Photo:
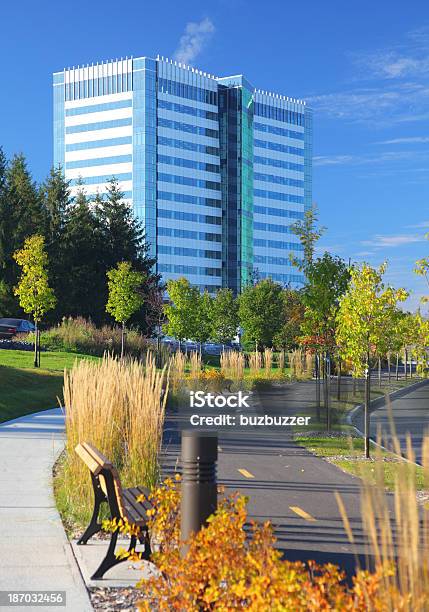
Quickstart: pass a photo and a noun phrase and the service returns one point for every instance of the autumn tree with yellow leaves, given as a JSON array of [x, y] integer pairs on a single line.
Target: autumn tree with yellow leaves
[[366, 310]]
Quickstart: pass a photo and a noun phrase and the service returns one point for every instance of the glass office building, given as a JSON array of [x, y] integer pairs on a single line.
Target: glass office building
[[216, 170]]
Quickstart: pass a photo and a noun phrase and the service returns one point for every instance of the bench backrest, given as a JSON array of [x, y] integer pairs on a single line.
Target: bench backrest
[[105, 472]]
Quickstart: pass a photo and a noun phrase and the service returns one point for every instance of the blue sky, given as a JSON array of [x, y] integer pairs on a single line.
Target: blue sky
[[363, 67]]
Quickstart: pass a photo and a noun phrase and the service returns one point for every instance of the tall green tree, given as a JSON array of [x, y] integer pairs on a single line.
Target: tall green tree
[[124, 236], [182, 310], [365, 310], [125, 296], [35, 295], [56, 197], [224, 321], [83, 286], [260, 312], [22, 215], [308, 232], [202, 329], [124, 239], [292, 319], [327, 278]]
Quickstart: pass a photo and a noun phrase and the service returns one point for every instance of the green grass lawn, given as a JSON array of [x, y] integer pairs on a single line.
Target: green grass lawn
[[24, 389], [54, 361], [347, 454], [346, 450]]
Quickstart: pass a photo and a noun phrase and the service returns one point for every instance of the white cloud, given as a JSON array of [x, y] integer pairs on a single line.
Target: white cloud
[[422, 225], [333, 160], [362, 160], [192, 42], [401, 93], [409, 57], [405, 140], [380, 241], [379, 105], [393, 65]]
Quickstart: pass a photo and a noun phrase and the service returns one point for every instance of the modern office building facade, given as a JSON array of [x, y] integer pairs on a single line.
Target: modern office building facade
[[216, 170]]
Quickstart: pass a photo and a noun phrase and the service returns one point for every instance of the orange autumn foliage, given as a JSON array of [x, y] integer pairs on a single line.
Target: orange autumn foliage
[[227, 568]]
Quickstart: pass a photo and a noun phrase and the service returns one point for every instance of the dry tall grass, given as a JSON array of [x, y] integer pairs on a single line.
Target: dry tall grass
[[296, 364], [301, 364], [309, 364], [268, 360], [255, 363], [195, 365], [397, 528], [177, 370], [281, 360], [232, 365], [118, 406]]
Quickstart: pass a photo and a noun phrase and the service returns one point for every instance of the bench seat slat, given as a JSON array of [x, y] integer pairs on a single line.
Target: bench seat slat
[[137, 492], [136, 510]]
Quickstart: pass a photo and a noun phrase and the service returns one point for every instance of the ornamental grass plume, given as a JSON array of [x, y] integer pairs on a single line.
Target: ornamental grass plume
[[281, 360], [195, 365], [177, 370], [255, 362], [397, 527], [268, 360], [308, 364], [118, 406], [232, 365], [296, 362]]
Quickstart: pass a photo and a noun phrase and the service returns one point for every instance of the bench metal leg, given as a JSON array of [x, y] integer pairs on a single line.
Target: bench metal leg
[[94, 526], [110, 560], [91, 530], [145, 539]]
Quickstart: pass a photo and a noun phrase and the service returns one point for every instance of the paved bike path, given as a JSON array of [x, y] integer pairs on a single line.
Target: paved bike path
[[285, 483], [410, 414]]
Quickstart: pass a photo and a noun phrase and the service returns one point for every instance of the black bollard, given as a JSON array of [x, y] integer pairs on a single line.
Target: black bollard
[[199, 486]]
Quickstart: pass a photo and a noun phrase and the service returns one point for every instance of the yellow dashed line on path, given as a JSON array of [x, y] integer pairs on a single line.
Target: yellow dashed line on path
[[302, 513], [245, 473]]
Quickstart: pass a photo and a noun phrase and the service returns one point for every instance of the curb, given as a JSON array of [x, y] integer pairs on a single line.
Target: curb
[[377, 403]]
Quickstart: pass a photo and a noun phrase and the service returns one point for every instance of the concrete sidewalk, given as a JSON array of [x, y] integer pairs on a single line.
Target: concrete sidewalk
[[35, 554]]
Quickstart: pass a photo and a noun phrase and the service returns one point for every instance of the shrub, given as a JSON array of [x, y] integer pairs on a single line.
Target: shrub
[[226, 568], [211, 380], [81, 336]]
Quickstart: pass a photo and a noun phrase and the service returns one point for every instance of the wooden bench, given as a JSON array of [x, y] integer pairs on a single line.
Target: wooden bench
[[122, 503]]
